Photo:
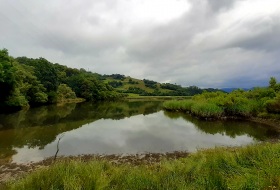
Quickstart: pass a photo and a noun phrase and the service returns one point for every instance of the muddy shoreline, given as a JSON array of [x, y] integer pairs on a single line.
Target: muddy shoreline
[[13, 171]]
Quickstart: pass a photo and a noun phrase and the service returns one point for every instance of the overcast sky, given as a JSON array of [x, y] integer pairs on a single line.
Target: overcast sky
[[207, 43]]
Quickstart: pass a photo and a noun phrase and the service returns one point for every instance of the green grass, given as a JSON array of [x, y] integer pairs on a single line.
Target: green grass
[[178, 105], [199, 108], [252, 167], [206, 110], [213, 109]]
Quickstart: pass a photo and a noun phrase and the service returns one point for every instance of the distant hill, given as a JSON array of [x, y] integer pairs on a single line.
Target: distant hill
[[232, 89], [145, 87]]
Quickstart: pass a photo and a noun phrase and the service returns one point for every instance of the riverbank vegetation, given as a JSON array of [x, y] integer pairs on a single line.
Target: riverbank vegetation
[[31, 82], [258, 102], [252, 167]]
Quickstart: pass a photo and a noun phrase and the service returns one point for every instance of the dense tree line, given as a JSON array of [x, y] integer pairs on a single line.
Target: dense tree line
[[26, 81], [116, 76], [150, 83], [115, 84], [170, 86], [181, 91]]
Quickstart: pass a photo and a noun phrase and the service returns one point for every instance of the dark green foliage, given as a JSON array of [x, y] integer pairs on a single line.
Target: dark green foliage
[[88, 87], [26, 81], [115, 84], [150, 83], [170, 86], [272, 82], [7, 76], [19, 86], [45, 71], [194, 90], [116, 76]]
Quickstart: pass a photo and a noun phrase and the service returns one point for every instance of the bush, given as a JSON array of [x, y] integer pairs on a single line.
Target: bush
[[272, 106]]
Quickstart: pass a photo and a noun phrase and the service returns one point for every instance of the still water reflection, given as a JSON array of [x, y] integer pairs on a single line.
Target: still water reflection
[[114, 128]]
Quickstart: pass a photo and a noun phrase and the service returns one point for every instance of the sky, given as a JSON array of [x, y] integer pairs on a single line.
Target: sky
[[206, 43]]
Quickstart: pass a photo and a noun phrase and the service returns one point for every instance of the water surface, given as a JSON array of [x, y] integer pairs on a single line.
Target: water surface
[[116, 128]]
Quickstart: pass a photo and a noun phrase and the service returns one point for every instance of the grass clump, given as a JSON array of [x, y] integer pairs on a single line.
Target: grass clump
[[207, 110], [252, 167], [199, 108]]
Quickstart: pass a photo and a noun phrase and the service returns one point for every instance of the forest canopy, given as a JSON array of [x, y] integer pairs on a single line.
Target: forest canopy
[[27, 81]]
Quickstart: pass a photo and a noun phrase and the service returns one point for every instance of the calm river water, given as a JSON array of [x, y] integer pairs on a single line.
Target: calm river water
[[116, 128]]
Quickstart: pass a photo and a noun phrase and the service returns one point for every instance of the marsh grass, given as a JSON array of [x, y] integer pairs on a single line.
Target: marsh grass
[[199, 108], [214, 108], [207, 110], [178, 105], [252, 167]]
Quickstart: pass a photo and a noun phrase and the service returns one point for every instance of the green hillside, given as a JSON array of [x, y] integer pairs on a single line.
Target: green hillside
[[145, 87]]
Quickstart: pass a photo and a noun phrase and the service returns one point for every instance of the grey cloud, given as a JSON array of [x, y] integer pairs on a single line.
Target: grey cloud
[[163, 41], [79, 45], [264, 35], [199, 48], [217, 5]]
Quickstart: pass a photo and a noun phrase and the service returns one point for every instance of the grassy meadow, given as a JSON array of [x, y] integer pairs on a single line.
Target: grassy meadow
[[251, 167]]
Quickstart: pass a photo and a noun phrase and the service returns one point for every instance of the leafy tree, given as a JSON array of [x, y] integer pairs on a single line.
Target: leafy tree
[[44, 70], [29, 85], [64, 92], [116, 76], [150, 83], [7, 77], [272, 82]]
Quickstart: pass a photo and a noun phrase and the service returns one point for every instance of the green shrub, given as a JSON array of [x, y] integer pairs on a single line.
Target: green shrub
[[272, 106]]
